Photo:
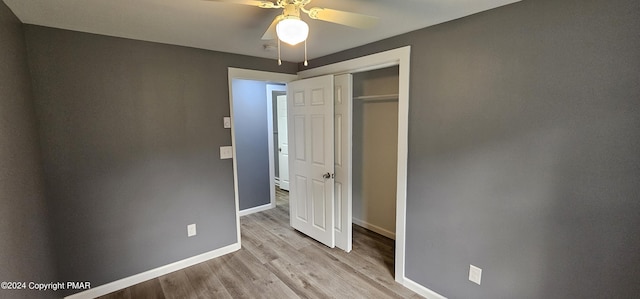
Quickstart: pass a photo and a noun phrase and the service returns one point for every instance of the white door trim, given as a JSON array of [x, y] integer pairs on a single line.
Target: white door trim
[[129, 281], [272, 163], [269, 77], [400, 57], [343, 111]]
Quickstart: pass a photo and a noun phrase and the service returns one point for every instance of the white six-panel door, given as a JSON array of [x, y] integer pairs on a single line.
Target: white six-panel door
[[283, 142], [311, 151]]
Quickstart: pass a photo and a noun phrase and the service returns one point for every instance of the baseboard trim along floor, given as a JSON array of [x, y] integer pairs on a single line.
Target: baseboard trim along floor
[[256, 209], [153, 273], [421, 290], [374, 228], [276, 261]]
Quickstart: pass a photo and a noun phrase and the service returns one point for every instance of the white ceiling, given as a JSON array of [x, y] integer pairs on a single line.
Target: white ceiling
[[238, 28]]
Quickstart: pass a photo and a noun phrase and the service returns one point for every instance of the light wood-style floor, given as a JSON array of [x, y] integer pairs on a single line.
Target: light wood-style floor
[[278, 262]]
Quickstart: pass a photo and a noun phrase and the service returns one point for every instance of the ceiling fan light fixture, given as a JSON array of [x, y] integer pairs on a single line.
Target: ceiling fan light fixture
[[292, 30]]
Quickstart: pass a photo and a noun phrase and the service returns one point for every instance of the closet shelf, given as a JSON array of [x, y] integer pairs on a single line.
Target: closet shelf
[[378, 97]]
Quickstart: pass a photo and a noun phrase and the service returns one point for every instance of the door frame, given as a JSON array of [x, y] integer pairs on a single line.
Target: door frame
[[401, 58], [271, 87], [269, 77]]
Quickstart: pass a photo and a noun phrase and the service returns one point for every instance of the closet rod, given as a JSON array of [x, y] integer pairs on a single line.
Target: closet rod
[[380, 97]]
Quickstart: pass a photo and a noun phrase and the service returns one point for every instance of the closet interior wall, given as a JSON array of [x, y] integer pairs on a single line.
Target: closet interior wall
[[375, 145]]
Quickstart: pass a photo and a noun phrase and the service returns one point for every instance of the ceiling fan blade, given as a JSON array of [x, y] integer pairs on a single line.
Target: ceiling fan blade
[[342, 17], [271, 31], [258, 3]]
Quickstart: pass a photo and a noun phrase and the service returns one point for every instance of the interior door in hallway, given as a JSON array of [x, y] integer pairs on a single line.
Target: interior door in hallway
[[311, 162], [283, 142]]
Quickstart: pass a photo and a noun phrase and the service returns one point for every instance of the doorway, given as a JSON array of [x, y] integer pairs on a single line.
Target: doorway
[[375, 148], [258, 78], [253, 144], [401, 58], [280, 138]]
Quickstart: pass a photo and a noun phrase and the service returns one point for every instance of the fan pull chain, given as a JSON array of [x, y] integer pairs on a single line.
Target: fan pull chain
[[279, 61], [305, 53]]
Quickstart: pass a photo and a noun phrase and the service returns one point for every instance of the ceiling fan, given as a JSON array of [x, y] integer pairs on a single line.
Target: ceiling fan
[[289, 28]]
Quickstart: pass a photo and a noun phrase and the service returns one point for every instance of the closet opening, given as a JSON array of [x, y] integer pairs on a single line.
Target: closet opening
[[375, 152]]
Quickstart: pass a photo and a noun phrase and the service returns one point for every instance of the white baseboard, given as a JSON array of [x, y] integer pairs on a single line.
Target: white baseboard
[[374, 228], [421, 290], [256, 209], [153, 273]]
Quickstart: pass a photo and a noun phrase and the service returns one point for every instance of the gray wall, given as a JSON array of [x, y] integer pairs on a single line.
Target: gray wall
[[252, 147], [375, 143], [523, 150], [25, 251], [130, 135], [524, 134]]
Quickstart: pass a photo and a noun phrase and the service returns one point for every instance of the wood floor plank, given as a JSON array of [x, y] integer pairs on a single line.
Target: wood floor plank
[[376, 252], [237, 286], [299, 283], [205, 282], [273, 287], [363, 232], [176, 285], [276, 261], [121, 294], [150, 289], [245, 277], [362, 285], [263, 279], [281, 214], [270, 245], [253, 242], [286, 233], [315, 274], [374, 273]]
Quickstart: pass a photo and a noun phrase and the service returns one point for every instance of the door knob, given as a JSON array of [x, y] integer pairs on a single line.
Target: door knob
[[326, 175]]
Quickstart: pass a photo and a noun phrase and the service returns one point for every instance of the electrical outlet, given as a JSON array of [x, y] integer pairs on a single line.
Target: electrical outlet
[[475, 274], [191, 230], [227, 122], [226, 152]]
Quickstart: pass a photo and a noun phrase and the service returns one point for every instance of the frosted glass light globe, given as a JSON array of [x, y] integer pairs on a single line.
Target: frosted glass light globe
[[292, 31]]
